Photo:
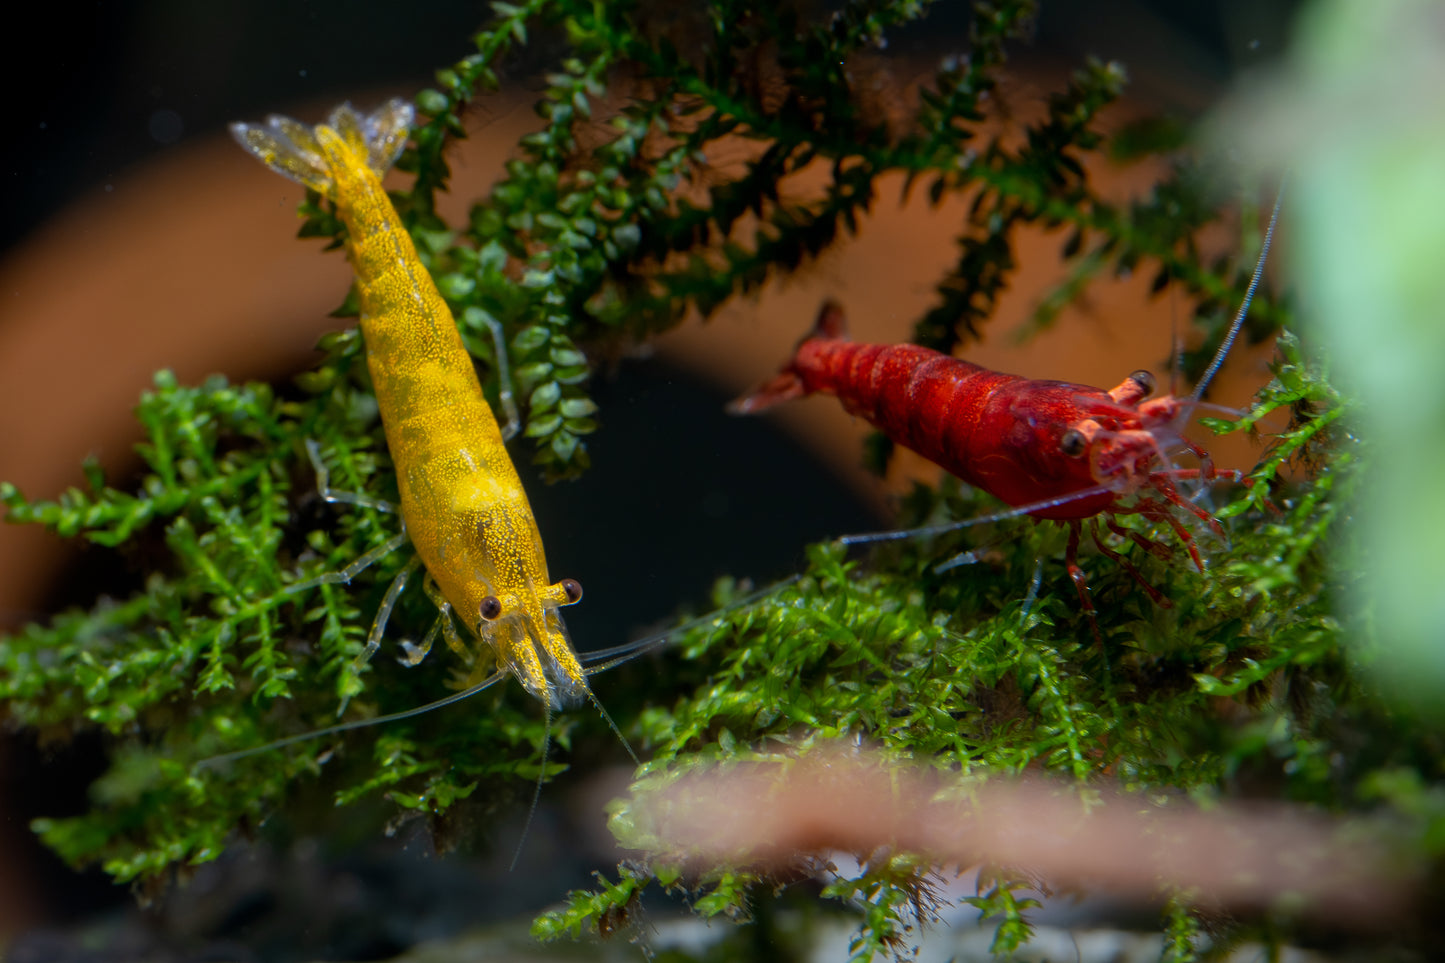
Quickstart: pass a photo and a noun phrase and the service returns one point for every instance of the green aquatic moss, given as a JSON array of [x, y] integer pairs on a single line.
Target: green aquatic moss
[[593, 247], [961, 670]]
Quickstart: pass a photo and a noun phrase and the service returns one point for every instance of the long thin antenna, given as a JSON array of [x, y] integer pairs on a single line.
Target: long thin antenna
[[618, 654], [1176, 343], [212, 761], [618, 732], [892, 536], [537, 792], [1228, 341]]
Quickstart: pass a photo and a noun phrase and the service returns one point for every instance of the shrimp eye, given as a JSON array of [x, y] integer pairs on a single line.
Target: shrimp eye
[[1144, 380], [573, 590], [1073, 443], [491, 608]]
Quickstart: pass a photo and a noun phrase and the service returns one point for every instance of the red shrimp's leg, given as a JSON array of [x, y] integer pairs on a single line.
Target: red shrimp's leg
[[1208, 472], [1159, 598], [1081, 582], [1248, 482], [1159, 512], [1166, 488], [1206, 469], [1156, 548], [1163, 483]]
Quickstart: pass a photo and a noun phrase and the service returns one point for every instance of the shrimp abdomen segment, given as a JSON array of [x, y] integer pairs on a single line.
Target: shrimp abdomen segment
[[924, 400], [994, 430], [413, 350]]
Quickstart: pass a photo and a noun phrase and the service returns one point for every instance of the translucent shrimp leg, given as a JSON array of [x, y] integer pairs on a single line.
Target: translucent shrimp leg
[[388, 602], [513, 423], [413, 654], [324, 489], [331, 495], [344, 575], [444, 624]]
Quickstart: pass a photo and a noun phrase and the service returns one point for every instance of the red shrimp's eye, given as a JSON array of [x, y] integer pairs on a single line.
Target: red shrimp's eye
[[1145, 381], [573, 590], [1073, 443], [491, 608]]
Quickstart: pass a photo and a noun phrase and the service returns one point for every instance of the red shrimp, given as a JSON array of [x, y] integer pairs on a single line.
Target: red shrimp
[[1049, 449], [1061, 451]]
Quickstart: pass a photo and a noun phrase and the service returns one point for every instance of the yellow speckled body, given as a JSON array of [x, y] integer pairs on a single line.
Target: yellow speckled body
[[461, 500]]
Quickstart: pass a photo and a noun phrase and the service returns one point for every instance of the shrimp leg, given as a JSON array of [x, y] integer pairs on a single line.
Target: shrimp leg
[[383, 615], [331, 495], [1128, 566], [1081, 581], [513, 423], [344, 576], [1156, 548], [445, 623], [413, 654]]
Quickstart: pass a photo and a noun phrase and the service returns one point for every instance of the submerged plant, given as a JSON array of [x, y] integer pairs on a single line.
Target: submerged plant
[[610, 224]]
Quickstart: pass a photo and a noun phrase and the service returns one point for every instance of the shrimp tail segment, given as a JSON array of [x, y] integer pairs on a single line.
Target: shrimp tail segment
[[789, 383], [292, 149]]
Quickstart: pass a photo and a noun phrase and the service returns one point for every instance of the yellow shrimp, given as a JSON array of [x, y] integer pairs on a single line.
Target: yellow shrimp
[[462, 504]]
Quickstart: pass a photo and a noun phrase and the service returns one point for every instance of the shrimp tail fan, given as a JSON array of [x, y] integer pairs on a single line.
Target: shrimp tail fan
[[294, 150], [788, 383]]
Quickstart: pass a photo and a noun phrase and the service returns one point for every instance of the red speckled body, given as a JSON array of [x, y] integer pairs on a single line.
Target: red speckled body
[[996, 431], [1021, 440], [1050, 449]]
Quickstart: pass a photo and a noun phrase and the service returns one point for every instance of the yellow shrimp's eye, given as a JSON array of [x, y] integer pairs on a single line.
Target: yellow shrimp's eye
[[491, 608], [1144, 380], [573, 588], [1073, 443]]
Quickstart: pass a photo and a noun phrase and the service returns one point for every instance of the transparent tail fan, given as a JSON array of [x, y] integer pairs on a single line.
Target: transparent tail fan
[[291, 148]]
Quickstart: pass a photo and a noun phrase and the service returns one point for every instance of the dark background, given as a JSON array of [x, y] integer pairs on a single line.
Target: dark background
[[97, 87]]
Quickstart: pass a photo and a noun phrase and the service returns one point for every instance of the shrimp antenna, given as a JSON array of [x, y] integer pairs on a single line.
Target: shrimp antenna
[[1228, 341], [928, 530], [213, 761], [608, 718], [537, 792], [618, 654], [1176, 343], [624, 653]]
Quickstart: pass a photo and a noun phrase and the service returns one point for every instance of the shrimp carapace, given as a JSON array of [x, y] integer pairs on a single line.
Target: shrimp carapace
[[462, 503]]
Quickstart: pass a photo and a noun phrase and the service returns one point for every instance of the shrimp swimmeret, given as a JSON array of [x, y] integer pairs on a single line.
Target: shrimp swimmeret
[[462, 505]]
